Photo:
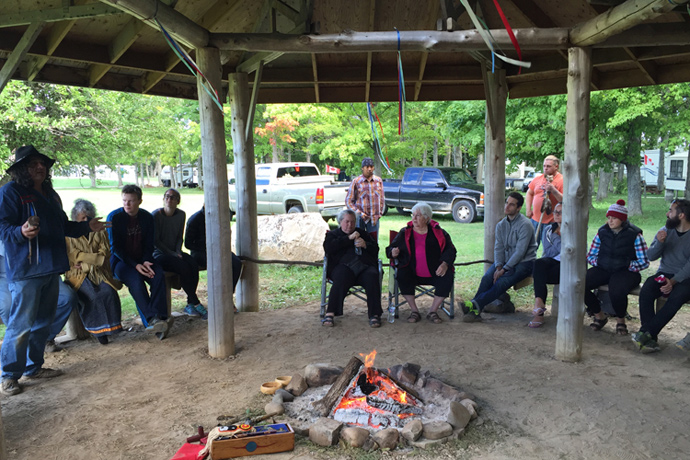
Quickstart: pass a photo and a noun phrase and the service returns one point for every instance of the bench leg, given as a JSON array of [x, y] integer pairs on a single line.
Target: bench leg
[[554, 301]]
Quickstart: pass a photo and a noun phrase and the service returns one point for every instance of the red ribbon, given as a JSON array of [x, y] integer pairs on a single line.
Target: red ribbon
[[510, 32]]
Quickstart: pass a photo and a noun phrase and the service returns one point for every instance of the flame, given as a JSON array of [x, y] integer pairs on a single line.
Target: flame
[[369, 359]]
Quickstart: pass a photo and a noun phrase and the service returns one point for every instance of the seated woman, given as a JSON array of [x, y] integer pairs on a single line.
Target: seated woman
[[425, 255], [547, 270], [618, 254], [352, 260], [91, 276]]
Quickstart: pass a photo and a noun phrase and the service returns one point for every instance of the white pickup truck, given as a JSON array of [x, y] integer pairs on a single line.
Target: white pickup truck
[[294, 187]]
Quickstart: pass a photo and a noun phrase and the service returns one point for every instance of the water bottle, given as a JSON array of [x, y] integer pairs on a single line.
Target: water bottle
[[661, 279], [358, 251], [391, 314]]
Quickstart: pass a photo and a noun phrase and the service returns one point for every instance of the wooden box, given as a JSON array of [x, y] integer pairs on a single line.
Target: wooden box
[[267, 439]]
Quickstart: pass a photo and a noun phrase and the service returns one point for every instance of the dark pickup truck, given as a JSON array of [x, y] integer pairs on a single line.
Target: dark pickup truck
[[445, 189]]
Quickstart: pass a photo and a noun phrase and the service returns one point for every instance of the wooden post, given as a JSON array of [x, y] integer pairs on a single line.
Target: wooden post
[[495, 157], [246, 244], [3, 447], [221, 332], [575, 207]]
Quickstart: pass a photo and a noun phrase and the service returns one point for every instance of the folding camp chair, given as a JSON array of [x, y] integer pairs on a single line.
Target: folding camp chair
[[395, 298], [357, 291]]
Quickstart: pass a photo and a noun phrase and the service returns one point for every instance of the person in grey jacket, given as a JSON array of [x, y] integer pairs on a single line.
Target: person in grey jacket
[[672, 244], [547, 270], [515, 250]]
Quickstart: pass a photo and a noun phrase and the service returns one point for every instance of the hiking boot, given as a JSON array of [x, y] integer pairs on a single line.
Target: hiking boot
[[640, 338], [52, 347], [499, 306], [202, 311], [157, 326], [684, 343], [471, 312], [10, 387], [651, 346], [44, 373], [191, 311]]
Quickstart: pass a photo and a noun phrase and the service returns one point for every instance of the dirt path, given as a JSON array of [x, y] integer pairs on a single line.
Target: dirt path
[[139, 398]]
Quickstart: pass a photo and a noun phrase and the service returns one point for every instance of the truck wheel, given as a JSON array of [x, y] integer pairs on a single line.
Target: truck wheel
[[463, 212], [294, 209], [385, 210], [232, 214], [401, 210]]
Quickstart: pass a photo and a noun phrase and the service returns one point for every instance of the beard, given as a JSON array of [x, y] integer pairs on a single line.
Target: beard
[[672, 222]]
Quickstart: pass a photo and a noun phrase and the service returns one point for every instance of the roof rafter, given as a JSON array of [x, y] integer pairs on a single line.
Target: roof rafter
[[19, 53], [92, 10]]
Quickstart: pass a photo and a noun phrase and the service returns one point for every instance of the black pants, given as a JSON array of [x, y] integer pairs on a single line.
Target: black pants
[[620, 284], [343, 279], [200, 258], [546, 271], [653, 322], [408, 279], [188, 270]]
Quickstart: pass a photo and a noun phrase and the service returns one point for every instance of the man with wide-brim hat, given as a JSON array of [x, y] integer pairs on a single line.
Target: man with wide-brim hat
[[33, 227]]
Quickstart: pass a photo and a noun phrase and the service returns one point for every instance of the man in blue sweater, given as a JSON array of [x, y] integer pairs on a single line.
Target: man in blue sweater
[[672, 244], [33, 227], [515, 250], [131, 248]]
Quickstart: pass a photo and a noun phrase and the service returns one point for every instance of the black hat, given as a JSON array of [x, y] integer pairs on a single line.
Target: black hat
[[367, 162], [26, 151]]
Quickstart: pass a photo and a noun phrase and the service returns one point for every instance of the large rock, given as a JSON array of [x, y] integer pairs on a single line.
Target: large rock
[[354, 436], [321, 374], [412, 430], [296, 236], [274, 408], [387, 439], [297, 385], [325, 432], [458, 414], [437, 430]]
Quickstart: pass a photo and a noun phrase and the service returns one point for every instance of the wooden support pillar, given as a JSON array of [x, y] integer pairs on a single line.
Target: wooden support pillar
[[575, 207], [495, 156], [221, 327], [246, 244]]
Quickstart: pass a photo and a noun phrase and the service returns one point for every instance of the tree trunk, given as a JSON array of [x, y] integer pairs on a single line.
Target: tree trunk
[[136, 174], [435, 151], [173, 177], [200, 172], [157, 171], [92, 175], [634, 204], [310, 141], [118, 171], [289, 154], [276, 154], [415, 162], [480, 168], [661, 177], [458, 156], [449, 153], [604, 183], [621, 172], [687, 171]]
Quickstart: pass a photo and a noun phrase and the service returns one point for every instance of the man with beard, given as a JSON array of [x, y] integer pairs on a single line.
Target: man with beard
[[672, 244]]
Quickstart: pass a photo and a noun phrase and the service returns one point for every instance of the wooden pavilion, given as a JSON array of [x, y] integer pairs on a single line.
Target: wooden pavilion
[[293, 51]]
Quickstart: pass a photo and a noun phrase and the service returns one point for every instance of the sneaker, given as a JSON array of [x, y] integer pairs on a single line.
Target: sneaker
[[157, 326], [10, 387], [202, 311], [191, 311], [640, 338], [52, 347], [44, 373], [471, 313], [651, 346], [684, 343], [499, 306]]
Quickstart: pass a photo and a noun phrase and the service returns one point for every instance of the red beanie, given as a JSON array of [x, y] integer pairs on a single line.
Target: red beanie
[[618, 210]]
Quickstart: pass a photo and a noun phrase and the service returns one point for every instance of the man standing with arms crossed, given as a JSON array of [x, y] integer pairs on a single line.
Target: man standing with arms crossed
[[365, 198], [550, 183]]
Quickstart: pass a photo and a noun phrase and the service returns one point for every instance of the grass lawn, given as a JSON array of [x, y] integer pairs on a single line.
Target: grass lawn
[[302, 284]]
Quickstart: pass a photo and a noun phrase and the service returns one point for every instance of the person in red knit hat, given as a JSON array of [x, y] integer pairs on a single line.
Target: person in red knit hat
[[618, 254]]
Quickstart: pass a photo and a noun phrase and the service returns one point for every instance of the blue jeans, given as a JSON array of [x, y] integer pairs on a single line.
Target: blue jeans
[[149, 306], [489, 291], [370, 228], [67, 301], [34, 302]]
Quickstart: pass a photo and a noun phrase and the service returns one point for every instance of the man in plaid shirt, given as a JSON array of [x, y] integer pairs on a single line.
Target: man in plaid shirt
[[365, 198]]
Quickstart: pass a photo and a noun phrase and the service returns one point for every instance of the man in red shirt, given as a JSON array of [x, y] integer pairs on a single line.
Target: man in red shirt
[[365, 198], [548, 184]]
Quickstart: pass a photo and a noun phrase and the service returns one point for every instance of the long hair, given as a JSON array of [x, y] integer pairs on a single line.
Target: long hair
[[20, 174]]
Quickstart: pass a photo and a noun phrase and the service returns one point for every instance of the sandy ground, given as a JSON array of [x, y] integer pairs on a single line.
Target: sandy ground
[[139, 398]]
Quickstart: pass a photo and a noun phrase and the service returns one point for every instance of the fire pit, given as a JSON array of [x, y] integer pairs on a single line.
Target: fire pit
[[402, 400]]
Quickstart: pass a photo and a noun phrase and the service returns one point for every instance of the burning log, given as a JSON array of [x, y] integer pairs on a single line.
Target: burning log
[[324, 406], [394, 407], [405, 387]]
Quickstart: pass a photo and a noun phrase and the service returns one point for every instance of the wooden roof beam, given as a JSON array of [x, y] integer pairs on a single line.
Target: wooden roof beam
[[92, 10], [19, 53], [315, 71], [359, 42], [619, 19], [370, 56], [57, 33], [422, 68], [182, 28], [127, 36], [647, 68]]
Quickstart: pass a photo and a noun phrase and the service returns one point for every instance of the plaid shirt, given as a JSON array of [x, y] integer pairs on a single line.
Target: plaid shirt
[[636, 265], [366, 196]]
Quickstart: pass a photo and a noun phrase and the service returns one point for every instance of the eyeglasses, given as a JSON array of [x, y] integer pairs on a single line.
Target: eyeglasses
[[558, 213]]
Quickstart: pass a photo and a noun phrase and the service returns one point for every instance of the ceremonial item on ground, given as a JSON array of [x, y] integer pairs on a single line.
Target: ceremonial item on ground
[[242, 440]]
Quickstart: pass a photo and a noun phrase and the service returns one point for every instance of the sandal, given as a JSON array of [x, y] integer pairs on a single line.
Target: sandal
[[328, 321], [598, 324], [434, 318], [621, 329], [414, 317], [375, 321], [540, 313]]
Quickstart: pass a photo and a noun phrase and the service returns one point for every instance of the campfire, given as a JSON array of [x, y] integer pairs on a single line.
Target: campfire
[[374, 400]]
